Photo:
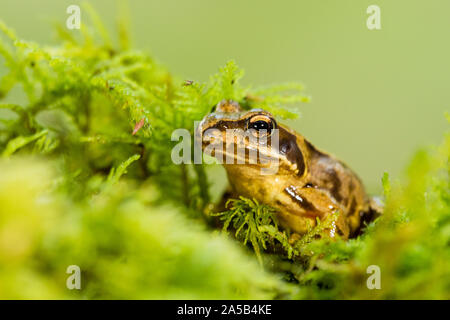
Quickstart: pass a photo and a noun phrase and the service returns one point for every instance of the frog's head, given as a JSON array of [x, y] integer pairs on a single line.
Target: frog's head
[[251, 138]]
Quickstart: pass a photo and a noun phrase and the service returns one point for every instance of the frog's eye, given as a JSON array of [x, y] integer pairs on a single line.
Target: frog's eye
[[261, 124]]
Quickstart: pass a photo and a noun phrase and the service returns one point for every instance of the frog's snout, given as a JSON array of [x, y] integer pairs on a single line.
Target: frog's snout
[[202, 126]]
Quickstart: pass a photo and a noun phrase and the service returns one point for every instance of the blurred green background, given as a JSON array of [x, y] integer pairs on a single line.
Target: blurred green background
[[376, 95]]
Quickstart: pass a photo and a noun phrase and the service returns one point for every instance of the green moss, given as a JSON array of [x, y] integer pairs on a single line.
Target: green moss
[[125, 248], [101, 117]]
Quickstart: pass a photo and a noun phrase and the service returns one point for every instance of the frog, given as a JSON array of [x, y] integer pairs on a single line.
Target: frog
[[308, 185]]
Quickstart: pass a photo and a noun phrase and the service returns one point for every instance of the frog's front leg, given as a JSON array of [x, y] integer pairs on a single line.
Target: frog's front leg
[[300, 207]]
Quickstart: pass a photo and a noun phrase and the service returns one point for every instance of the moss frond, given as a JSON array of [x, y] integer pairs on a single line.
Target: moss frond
[[89, 104]]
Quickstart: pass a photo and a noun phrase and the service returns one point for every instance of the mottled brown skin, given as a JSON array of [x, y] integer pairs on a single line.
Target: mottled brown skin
[[308, 183]]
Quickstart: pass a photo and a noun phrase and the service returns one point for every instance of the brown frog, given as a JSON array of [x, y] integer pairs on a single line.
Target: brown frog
[[307, 183]]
